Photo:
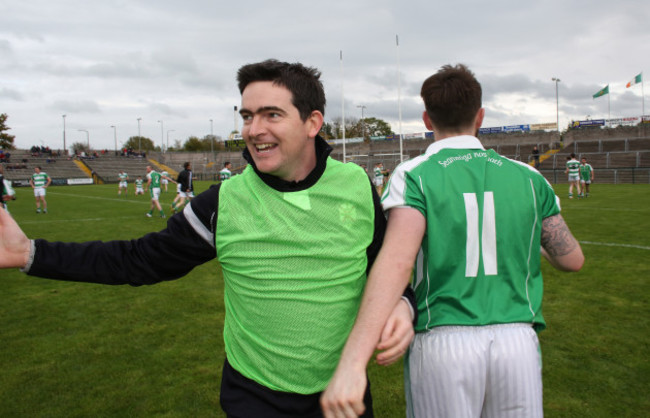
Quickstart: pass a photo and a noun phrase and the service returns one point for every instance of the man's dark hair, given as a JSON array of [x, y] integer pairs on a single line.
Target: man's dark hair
[[226, 163], [452, 97], [303, 82], [186, 165]]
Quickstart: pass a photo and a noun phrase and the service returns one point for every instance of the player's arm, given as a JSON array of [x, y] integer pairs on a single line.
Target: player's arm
[[388, 278], [49, 180], [559, 246], [155, 257]]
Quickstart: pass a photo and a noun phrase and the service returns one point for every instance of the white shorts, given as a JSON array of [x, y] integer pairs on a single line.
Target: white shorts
[[164, 181], [39, 191], [178, 187], [122, 185], [574, 177], [139, 190], [187, 194], [378, 181], [155, 193], [489, 371], [585, 181]]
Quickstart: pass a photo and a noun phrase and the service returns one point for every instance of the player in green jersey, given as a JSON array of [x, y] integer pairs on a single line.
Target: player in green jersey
[[586, 176], [573, 170], [39, 182], [476, 222], [153, 185]]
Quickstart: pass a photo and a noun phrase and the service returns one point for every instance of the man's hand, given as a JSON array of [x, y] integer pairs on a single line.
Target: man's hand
[[14, 244], [396, 335], [344, 394]]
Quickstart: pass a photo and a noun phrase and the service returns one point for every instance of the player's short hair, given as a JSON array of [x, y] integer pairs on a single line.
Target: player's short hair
[[307, 92], [186, 165], [452, 97], [573, 155], [226, 164]]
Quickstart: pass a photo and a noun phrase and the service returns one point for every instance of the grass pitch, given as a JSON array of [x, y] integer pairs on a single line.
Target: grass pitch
[[79, 350]]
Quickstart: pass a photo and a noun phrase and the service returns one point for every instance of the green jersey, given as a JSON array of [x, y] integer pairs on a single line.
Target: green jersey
[[138, 183], [294, 270], [123, 177], [585, 171], [479, 262], [40, 179], [155, 179]]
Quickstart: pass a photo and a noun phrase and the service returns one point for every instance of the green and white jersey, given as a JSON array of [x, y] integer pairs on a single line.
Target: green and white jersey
[[123, 177], [138, 183], [155, 179], [479, 263], [224, 174], [585, 171], [40, 179], [574, 167], [378, 173]]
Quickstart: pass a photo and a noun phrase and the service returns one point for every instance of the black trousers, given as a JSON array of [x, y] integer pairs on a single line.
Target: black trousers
[[245, 398]]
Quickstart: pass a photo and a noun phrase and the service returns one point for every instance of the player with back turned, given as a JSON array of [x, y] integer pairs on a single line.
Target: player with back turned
[[470, 225]]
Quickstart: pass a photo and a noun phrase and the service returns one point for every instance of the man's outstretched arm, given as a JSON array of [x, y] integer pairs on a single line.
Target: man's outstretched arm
[[387, 280]]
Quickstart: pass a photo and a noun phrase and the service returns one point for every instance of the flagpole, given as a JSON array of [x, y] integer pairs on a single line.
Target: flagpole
[[609, 108], [342, 107], [399, 100], [642, 99]]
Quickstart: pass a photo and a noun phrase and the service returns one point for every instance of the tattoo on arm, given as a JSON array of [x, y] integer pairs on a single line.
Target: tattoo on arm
[[556, 237]]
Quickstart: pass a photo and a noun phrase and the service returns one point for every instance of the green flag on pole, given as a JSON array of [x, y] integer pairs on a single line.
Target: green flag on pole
[[602, 92]]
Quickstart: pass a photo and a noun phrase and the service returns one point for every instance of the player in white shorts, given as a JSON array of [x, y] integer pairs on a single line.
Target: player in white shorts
[[469, 225], [139, 189], [39, 182], [123, 185], [573, 170], [163, 181]]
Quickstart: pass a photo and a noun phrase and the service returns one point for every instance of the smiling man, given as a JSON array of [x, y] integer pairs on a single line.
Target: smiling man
[[295, 235]]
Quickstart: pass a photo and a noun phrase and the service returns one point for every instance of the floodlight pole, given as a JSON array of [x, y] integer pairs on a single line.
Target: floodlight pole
[[557, 103], [139, 138]]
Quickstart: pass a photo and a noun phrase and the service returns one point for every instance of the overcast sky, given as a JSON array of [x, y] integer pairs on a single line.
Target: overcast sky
[[112, 62]]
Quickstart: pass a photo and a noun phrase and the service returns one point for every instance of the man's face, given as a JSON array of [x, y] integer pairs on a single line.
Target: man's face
[[278, 140], [37, 170]]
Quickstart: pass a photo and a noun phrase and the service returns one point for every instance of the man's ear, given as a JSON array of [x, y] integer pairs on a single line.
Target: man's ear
[[427, 121], [314, 123], [478, 121]]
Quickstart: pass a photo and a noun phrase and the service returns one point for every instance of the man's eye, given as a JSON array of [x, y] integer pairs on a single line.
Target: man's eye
[[246, 117], [274, 115]]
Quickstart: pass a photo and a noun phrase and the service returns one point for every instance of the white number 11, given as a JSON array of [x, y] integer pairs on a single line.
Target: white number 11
[[488, 235]]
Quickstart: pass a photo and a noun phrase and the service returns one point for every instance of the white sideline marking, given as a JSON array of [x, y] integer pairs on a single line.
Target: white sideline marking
[[611, 244], [53, 221], [112, 199]]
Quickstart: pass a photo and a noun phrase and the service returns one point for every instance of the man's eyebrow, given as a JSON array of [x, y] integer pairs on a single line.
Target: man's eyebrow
[[262, 109]]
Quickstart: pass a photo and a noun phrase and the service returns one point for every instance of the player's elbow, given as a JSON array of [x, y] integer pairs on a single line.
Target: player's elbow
[[572, 262]]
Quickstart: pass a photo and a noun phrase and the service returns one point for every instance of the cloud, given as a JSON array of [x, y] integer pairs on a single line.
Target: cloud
[[11, 94], [80, 106]]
